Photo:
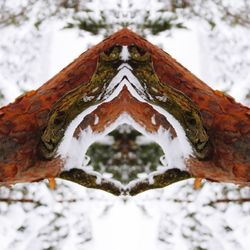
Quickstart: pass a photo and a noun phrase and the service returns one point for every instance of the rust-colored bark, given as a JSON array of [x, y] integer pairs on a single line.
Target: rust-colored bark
[[227, 122]]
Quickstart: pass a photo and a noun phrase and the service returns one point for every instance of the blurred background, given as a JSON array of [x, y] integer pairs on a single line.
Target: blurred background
[[40, 37]]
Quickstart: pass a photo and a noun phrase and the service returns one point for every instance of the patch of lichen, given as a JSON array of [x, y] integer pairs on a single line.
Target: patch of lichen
[[90, 181], [159, 181], [170, 99], [76, 101]]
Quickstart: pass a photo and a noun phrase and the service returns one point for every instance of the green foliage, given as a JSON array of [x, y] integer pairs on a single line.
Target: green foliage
[[89, 24], [160, 25], [142, 16], [124, 158]]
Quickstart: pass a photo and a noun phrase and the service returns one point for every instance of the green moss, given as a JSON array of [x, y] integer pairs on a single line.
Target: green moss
[[90, 181], [162, 180], [170, 99], [87, 180], [77, 100]]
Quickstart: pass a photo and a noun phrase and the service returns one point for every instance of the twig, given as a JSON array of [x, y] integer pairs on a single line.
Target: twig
[[10, 200]]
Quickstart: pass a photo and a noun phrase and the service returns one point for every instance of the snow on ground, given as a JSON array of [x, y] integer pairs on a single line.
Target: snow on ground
[[125, 227]]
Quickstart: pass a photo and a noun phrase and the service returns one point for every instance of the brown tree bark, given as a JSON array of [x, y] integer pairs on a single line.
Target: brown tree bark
[[227, 122]]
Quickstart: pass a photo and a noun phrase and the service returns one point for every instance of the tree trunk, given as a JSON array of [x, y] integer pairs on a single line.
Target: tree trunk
[[23, 122]]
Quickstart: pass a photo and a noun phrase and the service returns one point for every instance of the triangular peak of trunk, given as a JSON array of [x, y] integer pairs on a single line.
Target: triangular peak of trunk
[[125, 80]]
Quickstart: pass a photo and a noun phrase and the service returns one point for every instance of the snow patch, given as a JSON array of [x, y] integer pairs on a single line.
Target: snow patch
[[96, 119], [125, 53], [161, 98], [88, 98], [153, 119], [142, 140]]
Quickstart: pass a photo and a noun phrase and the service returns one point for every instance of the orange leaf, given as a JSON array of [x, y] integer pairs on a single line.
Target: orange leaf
[[52, 183], [197, 183]]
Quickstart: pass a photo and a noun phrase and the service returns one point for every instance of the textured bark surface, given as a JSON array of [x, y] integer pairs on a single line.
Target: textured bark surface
[[227, 123]]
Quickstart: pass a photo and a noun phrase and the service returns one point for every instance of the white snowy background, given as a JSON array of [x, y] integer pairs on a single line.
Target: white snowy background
[[72, 217]]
